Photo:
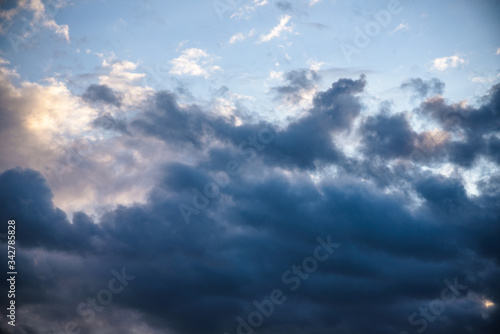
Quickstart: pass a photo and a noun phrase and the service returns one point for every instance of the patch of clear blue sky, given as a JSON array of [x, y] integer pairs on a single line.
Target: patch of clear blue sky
[[149, 33]]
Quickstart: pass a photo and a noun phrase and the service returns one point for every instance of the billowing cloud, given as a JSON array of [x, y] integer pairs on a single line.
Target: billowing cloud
[[265, 202], [217, 169]]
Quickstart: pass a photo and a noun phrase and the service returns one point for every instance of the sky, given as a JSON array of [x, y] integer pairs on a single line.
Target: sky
[[251, 166]]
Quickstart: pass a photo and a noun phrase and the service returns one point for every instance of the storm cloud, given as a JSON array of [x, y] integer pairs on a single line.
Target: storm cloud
[[395, 250]]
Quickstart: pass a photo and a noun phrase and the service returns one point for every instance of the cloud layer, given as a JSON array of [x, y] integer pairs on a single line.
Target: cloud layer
[[405, 227]]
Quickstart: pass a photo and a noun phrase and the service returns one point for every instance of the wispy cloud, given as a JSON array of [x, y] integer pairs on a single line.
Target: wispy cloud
[[239, 37], [278, 30], [245, 11], [401, 26]]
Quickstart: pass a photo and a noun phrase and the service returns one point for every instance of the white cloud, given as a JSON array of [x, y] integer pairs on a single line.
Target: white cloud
[[441, 64], [49, 128], [276, 75], [278, 30], [245, 11], [486, 80], [315, 65], [401, 26], [313, 2], [195, 62], [42, 17], [498, 52], [123, 79], [237, 38]]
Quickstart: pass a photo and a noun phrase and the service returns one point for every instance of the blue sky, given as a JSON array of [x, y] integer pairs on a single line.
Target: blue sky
[[153, 33], [208, 148]]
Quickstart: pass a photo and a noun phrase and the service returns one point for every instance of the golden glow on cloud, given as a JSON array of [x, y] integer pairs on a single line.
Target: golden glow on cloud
[[488, 303]]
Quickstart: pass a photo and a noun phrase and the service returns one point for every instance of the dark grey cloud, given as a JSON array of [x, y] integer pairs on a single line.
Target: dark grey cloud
[[298, 83], [423, 88], [166, 120], [339, 104], [388, 136], [444, 194], [474, 124], [209, 275], [8, 4], [107, 121], [333, 111], [29, 200], [395, 252], [481, 120], [103, 94]]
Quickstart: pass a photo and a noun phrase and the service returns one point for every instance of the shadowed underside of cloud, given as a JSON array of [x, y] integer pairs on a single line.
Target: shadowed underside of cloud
[[396, 250], [103, 94]]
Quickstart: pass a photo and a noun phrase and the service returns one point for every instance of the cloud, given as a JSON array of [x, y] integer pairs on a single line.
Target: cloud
[[277, 31], [473, 124], [401, 26], [388, 136], [172, 123], [282, 219], [442, 64], [498, 52], [42, 16], [245, 11], [265, 220], [284, 5], [84, 150], [313, 2], [236, 38], [332, 111], [101, 93], [424, 88], [195, 62], [299, 85], [122, 78], [239, 37]]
